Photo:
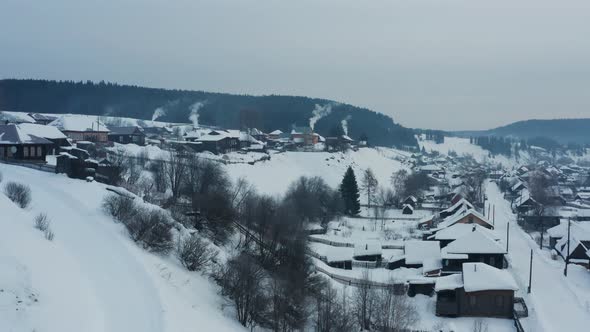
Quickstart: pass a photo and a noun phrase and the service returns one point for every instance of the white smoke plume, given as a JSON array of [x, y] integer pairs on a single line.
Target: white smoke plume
[[158, 113], [194, 116], [344, 123], [318, 113]]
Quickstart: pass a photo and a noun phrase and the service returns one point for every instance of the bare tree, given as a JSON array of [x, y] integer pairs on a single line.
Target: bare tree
[[364, 302], [332, 310], [393, 312], [242, 281], [369, 185], [43, 224], [175, 171]]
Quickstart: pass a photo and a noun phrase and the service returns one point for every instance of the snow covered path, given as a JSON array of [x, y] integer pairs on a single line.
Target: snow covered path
[[122, 295], [552, 303]]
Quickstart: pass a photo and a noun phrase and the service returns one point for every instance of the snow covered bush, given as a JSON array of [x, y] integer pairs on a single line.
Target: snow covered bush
[[195, 253], [18, 193], [152, 229], [120, 207], [42, 223]]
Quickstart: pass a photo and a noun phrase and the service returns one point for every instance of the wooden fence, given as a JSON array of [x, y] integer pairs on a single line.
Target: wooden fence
[[350, 245], [40, 167]]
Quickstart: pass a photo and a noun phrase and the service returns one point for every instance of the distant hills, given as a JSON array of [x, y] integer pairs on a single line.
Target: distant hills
[[561, 130], [266, 113]]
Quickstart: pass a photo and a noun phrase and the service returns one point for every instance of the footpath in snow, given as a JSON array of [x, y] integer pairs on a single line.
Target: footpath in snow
[[553, 305]]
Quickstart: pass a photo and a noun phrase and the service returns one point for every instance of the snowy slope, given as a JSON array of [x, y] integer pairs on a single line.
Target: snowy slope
[[91, 277], [274, 176], [462, 146]]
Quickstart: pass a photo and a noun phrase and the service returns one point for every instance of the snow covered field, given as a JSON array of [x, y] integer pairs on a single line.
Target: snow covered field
[[462, 146], [91, 277]]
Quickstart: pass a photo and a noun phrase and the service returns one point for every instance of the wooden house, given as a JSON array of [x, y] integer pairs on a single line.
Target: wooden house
[[407, 209], [304, 136], [16, 145], [461, 204], [50, 133], [475, 246], [466, 216], [217, 141], [456, 231], [579, 248], [42, 119], [82, 128], [480, 291], [127, 135]]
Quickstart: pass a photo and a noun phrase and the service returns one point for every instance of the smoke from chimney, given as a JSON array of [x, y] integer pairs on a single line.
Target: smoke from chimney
[[194, 116], [158, 113], [318, 113], [344, 123]]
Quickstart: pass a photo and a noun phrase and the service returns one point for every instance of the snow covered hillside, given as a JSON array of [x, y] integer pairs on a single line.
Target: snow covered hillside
[[91, 277], [462, 146]]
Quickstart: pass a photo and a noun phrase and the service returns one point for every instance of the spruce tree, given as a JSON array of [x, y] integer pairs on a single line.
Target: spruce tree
[[350, 193]]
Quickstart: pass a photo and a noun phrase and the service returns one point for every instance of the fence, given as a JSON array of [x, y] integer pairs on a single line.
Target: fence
[[40, 167], [350, 245]]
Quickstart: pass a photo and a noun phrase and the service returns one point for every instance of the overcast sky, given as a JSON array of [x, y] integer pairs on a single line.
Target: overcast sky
[[445, 64]]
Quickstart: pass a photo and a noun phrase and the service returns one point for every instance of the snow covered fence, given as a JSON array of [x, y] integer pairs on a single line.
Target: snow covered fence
[[398, 288], [40, 167], [351, 245]]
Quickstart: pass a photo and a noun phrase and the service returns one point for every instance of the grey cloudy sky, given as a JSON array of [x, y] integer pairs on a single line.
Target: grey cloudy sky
[[448, 64]]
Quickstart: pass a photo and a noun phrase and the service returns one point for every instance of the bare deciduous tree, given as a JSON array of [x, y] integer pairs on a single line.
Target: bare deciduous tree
[[369, 185], [393, 312], [364, 302], [175, 171]]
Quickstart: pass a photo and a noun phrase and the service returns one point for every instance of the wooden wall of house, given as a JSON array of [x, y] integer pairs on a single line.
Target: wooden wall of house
[[492, 303], [40, 152]]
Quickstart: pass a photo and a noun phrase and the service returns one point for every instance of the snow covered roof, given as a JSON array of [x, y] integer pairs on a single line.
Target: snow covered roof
[[276, 132], [481, 277], [15, 117], [475, 242], [301, 130], [464, 212], [336, 254], [431, 264], [79, 123], [461, 202], [430, 168], [367, 248], [576, 239], [408, 206], [456, 231], [517, 185], [450, 282], [12, 134], [38, 130], [417, 251]]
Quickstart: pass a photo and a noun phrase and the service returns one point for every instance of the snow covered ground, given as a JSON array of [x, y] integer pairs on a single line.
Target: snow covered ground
[[91, 277], [462, 146], [556, 303]]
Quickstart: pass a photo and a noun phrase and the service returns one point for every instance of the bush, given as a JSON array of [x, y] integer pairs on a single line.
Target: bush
[[18, 193], [42, 223], [194, 253], [120, 207], [151, 229]]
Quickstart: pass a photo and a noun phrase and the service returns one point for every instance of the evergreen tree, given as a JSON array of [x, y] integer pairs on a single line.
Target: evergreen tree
[[350, 193]]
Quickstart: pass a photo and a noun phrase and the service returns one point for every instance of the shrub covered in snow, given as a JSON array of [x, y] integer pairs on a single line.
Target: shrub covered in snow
[[151, 228], [18, 193], [42, 223], [195, 253], [118, 206]]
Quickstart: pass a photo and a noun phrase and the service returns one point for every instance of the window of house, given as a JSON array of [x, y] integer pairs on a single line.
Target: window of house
[[1, 151], [492, 261], [500, 301], [472, 300], [39, 151], [26, 151], [32, 151], [121, 139]]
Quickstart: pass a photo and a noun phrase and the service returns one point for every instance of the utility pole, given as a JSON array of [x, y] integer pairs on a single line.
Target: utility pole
[[567, 255], [494, 216], [530, 273], [507, 235]]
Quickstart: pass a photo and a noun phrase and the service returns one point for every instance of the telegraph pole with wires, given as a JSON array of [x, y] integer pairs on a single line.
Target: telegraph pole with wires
[[567, 254]]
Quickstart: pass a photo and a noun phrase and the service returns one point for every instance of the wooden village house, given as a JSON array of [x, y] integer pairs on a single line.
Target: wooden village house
[[17, 145]]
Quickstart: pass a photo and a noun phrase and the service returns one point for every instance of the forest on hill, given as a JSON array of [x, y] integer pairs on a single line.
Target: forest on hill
[[266, 113], [563, 131]]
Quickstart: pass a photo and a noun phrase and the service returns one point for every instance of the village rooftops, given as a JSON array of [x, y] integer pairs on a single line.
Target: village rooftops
[[479, 277], [475, 242], [38, 130], [129, 130], [416, 252], [456, 231], [301, 131], [79, 124], [12, 134], [276, 132]]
